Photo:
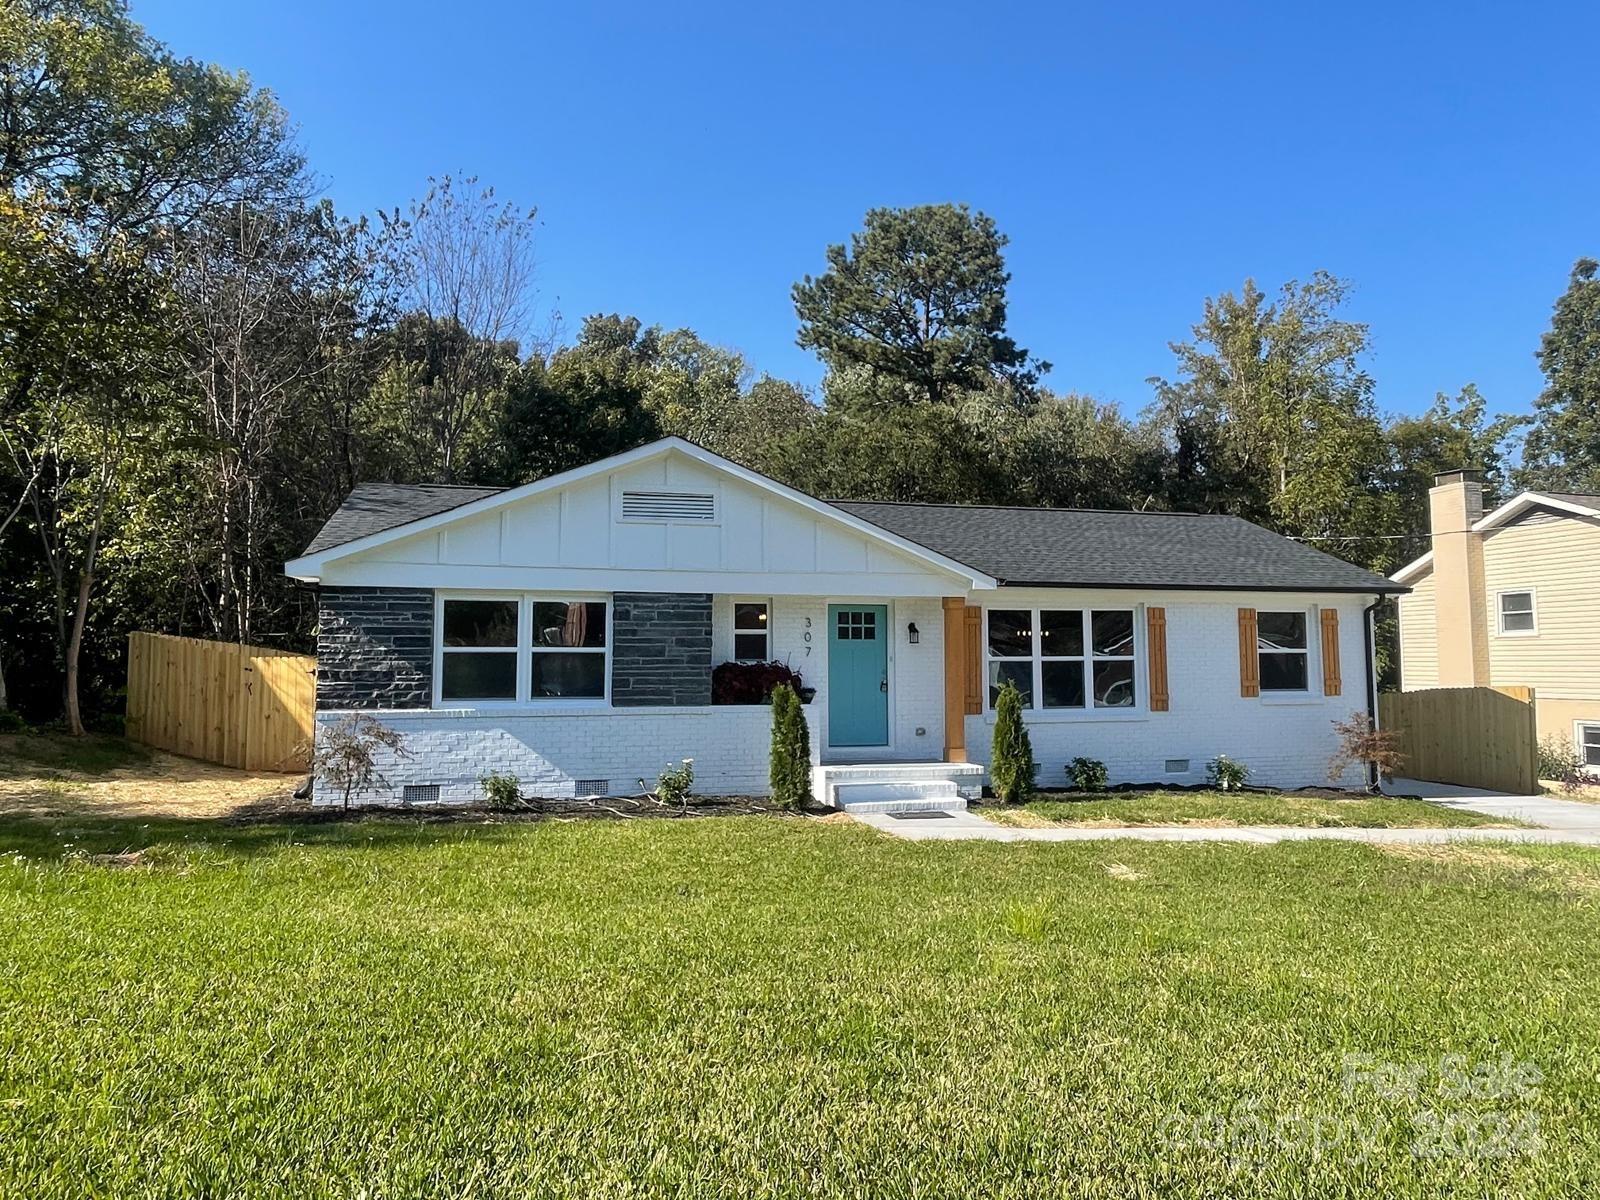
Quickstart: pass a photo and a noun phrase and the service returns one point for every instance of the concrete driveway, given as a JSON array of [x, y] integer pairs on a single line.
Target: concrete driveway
[[1561, 821], [1550, 812]]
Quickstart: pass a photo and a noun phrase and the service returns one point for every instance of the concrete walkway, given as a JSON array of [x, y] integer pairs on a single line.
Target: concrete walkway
[[1567, 822]]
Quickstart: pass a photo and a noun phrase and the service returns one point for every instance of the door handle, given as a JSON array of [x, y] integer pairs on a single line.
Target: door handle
[[883, 684]]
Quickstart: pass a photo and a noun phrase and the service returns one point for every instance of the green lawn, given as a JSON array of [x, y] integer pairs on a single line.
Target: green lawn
[[1233, 808], [765, 1006]]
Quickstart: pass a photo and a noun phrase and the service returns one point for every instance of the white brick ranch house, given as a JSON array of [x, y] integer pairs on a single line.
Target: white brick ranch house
[[567, 632]]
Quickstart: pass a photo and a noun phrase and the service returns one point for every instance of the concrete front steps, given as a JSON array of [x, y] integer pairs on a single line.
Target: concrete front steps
[[860, 788]]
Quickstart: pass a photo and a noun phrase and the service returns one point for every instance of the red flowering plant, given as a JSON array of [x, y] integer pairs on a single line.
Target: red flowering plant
[[751, 682]]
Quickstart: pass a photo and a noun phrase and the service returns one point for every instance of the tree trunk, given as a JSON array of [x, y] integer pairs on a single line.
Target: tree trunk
[[80, 618]]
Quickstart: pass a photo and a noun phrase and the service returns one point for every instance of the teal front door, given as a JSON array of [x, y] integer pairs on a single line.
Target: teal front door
[[858, 675]]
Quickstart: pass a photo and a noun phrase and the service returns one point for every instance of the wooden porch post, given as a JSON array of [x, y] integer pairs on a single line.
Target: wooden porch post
[[955, 679]]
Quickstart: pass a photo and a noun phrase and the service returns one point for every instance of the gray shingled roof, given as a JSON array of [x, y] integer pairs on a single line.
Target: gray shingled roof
[[1088, 548], [1581, 499], [374, 507], [1047, 546]]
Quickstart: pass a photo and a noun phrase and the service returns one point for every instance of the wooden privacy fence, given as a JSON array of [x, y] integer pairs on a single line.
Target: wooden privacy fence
[[1476, 737], [241, 706]]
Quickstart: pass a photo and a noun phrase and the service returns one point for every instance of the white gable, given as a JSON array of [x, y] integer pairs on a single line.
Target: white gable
[[644, 523]]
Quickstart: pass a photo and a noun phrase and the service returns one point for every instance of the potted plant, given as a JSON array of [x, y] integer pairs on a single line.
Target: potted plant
[[754, 682]]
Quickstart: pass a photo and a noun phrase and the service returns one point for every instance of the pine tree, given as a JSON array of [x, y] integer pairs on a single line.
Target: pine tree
[[791, 750], [1011, 765], [1563, 448]]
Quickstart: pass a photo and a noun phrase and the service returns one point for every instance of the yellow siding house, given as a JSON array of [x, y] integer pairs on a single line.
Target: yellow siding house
[[1511, 598]]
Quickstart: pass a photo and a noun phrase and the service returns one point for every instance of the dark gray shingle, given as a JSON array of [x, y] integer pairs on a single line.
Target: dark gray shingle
[[1088, 548], [1581, 499], [374, 507], [1048, 546]]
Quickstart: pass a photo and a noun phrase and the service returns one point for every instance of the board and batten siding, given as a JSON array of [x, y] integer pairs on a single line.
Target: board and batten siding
[[577, 539], [1557, 559], [1419, 637]]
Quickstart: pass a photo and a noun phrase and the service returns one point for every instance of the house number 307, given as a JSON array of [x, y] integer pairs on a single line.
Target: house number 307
[[808, 636]]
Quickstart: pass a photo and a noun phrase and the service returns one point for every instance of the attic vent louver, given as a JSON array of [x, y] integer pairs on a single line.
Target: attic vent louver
[[695, 508]]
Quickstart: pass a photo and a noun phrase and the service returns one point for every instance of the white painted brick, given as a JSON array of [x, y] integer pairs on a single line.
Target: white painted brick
[[1284, 744]]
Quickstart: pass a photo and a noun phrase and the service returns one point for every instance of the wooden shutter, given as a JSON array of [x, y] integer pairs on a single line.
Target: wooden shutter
[[1331, 682], [1249, 664], [974, 672], [1155, 642]]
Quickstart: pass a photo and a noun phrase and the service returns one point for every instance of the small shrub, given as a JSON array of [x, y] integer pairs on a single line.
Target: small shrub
[[1011, 764], [501, 789], [673, 784], [1579, 779], [751, 682], [1360, 742], [345, 753], [1557, 759], [11, 721], [1226, 774], [790, 768], [1088, 774]]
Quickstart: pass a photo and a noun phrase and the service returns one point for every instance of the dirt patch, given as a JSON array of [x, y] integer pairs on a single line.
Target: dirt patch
[[163, 786]]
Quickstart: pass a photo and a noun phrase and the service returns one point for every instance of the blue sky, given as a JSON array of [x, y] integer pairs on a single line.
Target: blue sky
[[691, 161]]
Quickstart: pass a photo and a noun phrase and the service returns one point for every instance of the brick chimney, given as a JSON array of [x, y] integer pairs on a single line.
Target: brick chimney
[[1455, 503]]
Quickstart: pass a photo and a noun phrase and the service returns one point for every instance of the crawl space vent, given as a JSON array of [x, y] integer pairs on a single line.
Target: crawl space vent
[[1177, 766], [591, 787], [678, 508], [420, 793]]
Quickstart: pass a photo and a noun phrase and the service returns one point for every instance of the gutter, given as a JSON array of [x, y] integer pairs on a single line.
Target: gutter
[[1368, 618]]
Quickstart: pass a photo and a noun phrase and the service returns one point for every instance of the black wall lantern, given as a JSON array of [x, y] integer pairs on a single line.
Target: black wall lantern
[[913, 634]]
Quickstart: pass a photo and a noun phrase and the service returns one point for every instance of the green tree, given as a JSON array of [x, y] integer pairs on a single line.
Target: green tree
[[1454, 432], [923, 452], [919, 295], [1011, 763], [1563, 447], [1272, 418], [791, 750], [109, 146], [586, 403]]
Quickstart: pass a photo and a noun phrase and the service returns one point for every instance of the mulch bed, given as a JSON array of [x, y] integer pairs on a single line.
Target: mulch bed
[[598, 808]]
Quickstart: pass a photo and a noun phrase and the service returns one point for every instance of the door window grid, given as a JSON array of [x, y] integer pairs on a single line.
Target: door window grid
[[856, 625]]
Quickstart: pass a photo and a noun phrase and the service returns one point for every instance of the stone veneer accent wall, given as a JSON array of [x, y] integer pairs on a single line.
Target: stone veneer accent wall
[[375, 647], [661, 649]]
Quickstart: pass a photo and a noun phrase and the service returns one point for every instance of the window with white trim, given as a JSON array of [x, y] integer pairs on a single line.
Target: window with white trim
[[1283, 654], [1516, 613], [478, 650], [567, 659], [528, 648], [1589, 746], [752, 636], [1062, 658]]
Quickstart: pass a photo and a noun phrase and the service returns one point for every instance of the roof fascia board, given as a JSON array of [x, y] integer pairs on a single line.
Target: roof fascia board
[[1412, 569], [1524, 501]]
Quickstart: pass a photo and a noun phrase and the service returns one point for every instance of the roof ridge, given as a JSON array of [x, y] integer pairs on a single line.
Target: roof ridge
[[459, 487], [1120, 512]]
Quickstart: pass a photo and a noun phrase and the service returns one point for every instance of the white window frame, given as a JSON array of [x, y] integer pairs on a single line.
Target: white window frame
[[525, 649], [1312, 621], [440, 650], [734, 631], [1088, 658], [1500, 612], [1577, 745]]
